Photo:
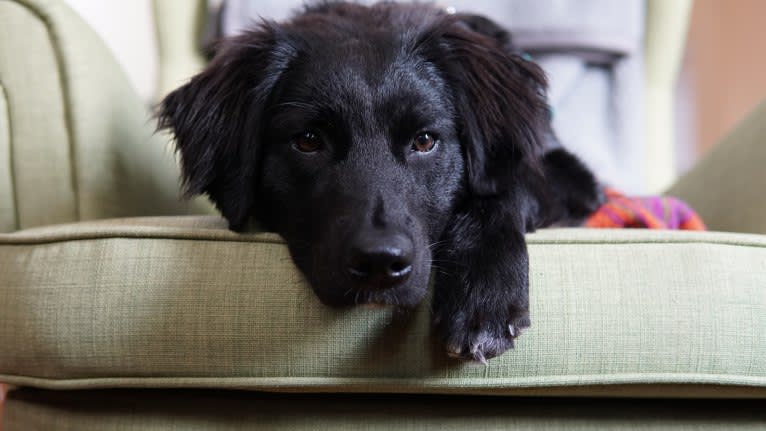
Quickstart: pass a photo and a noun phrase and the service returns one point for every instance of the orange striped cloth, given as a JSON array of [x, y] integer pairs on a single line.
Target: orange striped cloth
[[655, 212]]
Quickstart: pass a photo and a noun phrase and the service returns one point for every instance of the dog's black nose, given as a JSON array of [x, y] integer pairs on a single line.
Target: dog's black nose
[[381, 261]]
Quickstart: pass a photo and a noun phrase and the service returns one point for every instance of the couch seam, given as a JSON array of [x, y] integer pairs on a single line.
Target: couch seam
[[8, 239], [11, 158], [65, 95], [542, 382], [13, 242]]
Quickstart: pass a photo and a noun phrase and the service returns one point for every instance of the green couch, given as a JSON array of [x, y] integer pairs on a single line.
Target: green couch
[[122, 308]]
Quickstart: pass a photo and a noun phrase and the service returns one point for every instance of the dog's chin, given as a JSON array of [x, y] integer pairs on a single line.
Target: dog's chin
[[408, 295]]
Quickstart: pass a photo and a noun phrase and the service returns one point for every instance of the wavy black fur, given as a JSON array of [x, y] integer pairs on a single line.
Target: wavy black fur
[[365, 81]]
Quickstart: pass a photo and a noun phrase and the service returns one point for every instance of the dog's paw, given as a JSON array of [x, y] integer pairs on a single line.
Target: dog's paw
[[474, 334]]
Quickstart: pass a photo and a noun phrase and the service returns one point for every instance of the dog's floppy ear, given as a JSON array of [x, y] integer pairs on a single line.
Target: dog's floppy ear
[[500, 101], [216, 120]]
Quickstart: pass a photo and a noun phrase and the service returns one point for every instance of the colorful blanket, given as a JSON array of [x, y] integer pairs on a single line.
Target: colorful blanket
[[655, 212]]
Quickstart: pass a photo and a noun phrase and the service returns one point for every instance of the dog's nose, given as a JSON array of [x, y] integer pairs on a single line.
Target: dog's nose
[[381, 261]]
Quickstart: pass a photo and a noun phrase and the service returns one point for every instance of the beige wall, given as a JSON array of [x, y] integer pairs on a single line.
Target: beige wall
[[724, 71]]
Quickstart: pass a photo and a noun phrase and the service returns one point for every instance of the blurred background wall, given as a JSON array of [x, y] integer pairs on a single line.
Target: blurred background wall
[[723, 75]]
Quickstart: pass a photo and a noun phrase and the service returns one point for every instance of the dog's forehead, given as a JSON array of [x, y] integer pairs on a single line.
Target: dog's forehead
[[363, 70], [358, 52], [359, 59]]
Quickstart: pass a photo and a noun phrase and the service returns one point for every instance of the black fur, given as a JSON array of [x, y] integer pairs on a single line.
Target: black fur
[[365, 81]]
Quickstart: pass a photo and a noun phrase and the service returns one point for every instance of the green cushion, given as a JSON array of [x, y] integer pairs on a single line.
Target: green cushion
[[189, 410], [181, 302]]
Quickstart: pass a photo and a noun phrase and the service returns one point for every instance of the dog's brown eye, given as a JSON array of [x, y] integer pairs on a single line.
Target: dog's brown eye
[[308, 142], [424, 142]]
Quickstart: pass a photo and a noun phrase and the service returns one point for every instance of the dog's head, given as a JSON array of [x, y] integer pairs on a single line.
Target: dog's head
[[356, 132]]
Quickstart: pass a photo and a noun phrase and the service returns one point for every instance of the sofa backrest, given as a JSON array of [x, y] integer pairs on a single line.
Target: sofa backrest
[[76, 142]]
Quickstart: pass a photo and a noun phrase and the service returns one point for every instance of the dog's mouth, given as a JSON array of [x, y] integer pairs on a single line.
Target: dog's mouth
[[405, 296]]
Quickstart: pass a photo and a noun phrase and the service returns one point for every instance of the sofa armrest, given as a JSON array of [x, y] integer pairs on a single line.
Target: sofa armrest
[[75, 137], [727, 187]]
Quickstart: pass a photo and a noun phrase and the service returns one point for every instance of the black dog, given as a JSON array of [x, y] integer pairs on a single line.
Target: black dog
[[383, 143]]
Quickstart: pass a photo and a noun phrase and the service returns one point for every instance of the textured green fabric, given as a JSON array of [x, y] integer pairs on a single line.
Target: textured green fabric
[[217, 410], [147, 304], [728, 187], [81, 141], [39, 143], [7, 198], [179, 25]]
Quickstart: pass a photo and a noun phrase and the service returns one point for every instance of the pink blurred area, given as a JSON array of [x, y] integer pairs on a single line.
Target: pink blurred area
[[723, 76]]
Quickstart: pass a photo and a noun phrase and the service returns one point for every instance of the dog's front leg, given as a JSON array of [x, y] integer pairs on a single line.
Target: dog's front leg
[[481, 298]]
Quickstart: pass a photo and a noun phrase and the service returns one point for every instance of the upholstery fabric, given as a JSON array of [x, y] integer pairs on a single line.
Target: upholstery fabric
[[181, 302], [179, 25], [7, 198], [142, 410], [91, 152], [30, 81]]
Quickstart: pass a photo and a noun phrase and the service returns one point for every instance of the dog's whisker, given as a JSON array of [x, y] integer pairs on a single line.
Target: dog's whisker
[[437, 243], [443, 271]]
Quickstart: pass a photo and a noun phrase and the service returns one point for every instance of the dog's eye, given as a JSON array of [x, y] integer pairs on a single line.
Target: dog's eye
[[307, 142], [424, 142]]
